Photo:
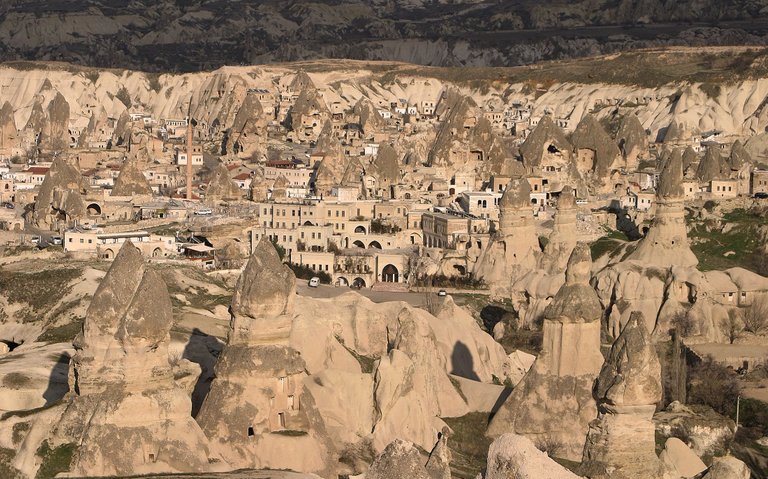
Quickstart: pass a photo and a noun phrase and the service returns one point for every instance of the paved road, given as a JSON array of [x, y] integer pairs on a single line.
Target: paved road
[[325, 291]]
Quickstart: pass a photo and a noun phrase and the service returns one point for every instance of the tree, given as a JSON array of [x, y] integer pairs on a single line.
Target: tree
[[755, 316], [732, 326], [714, 385], [280, 250]]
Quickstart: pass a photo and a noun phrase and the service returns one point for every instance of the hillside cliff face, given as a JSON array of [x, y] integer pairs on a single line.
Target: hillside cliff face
[[735, 106], [187, 35]]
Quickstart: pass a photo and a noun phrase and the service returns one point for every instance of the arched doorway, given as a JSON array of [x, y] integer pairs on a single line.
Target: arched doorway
[[342, 281], [390, 274], [358, 283], [109, 254], [360, 229], [94, 209], [358, 244], [374, 244], [157, 252]]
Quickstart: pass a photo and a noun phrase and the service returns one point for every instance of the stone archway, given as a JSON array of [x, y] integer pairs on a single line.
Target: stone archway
[[358, 244], [342, 281], [360, 229], [358, 283], [109, 254], [94, 209], [157, 253], [374, 245], [390, 274]]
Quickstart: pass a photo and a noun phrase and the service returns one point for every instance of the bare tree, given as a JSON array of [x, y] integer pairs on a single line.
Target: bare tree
[[431, 303], [732, 326], [755, 316]]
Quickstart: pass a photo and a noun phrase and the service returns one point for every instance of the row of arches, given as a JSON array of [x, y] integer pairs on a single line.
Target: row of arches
[[372, 245]]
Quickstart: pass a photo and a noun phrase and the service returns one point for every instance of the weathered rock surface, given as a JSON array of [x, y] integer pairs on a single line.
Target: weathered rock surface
[[513, 251], [60, 195], [679, 460], [621, 441], [131, 181], [727, 467], [707, 432], [221, 186], [554, 400], [257, 411], [512, 456], [125, 394]]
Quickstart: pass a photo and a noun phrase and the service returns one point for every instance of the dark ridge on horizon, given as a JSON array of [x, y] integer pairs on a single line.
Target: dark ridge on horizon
[[195, 35]]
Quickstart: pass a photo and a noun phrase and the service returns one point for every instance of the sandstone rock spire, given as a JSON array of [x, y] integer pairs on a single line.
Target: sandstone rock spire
[[257, 411], [131, 180], [621, 440], [566, 368], [666, 243], [124, 390]]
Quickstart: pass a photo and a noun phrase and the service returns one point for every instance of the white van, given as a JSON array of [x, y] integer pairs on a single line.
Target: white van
[[314, 282]]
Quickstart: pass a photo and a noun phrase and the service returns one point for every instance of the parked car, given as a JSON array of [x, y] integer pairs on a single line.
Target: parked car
[[204, 212], [442, 293], [314, 282], [8, 205], [35, 240], [56, 240]]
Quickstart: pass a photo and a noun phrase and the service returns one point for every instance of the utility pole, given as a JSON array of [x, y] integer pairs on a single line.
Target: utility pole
[[738, 401], [189, 150]]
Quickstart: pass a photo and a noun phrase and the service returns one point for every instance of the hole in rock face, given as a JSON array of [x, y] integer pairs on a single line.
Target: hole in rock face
[[11, 344], [250, 431]]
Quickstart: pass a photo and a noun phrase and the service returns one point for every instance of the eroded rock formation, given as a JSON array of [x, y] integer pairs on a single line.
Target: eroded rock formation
[[621, 441], [554, 400], [126, 395]]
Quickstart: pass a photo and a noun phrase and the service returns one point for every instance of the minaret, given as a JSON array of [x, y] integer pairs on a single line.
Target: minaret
[[189, 150]]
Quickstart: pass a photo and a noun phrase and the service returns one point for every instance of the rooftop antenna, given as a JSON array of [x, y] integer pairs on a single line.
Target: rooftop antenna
[[189, 149]]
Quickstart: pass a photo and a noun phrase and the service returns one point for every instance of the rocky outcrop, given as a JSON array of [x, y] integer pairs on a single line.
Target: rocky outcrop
[[666, 242], [554, 400], [258, 190], [61, 195], [513, 250], [690, 159], [621, 441], [727, 467], [543, 138], [562, 240], [402, 459], [8, 133], [594, 149], [246, 135], [370, 120], [712, 166], [632, 141], [257, 412], [125, 393], [56, 129], [739, 156], [513, 456], [131, 181], [221, 187], [679, 461]]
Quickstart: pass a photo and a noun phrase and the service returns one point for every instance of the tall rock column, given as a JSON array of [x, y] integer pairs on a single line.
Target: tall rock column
[[553, 403], [666, 243], [257, 410], [621, 441], [513, 251], [127, 412]]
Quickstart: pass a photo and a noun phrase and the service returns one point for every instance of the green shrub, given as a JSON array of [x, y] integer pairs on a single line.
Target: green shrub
[[303, 271], [54, 461], [124, 97]]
